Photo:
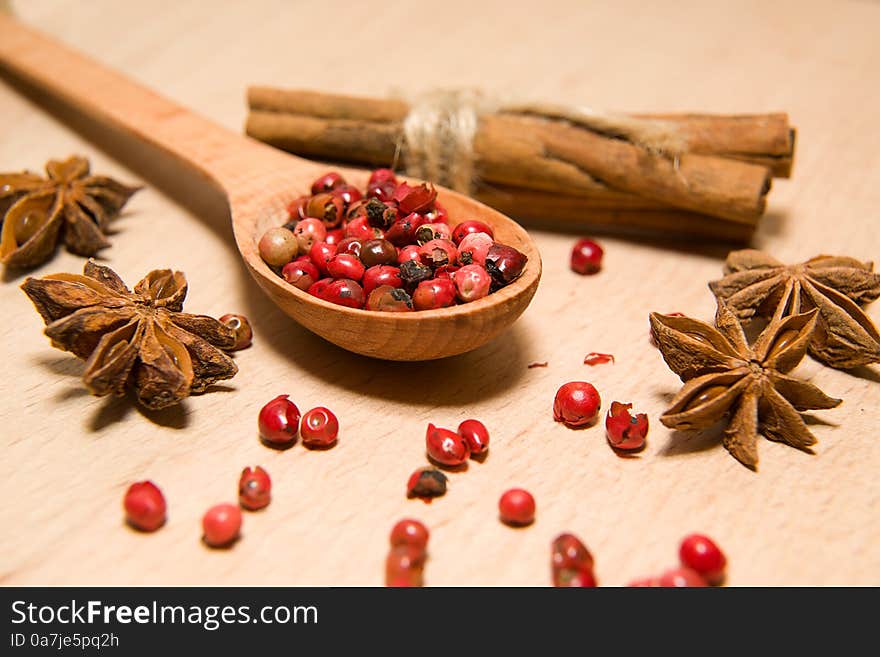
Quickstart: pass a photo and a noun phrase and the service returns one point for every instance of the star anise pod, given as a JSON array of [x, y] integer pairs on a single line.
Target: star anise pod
[[757, 285], [726, 377], [69, 204], [140, 338]]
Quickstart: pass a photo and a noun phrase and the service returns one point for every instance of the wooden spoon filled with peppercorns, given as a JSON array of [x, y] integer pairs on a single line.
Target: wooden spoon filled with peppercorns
[[438, 295]]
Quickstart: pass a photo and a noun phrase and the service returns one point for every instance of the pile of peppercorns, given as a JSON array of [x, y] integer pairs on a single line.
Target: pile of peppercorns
[[391, 249]]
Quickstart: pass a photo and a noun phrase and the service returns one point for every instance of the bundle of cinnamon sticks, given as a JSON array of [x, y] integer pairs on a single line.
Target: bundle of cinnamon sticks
[[547, 168]]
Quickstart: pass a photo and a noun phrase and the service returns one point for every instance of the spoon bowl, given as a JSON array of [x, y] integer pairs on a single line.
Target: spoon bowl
[[259, 182]]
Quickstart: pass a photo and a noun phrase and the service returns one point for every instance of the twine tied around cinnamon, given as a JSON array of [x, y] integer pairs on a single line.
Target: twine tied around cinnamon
[[438, 132]]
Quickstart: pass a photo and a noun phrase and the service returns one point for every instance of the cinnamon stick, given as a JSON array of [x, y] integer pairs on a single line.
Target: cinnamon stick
[[720, 180]]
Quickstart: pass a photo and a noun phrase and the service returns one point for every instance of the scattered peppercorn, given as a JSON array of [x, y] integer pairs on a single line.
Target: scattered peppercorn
[[221, 525], [701, 554], [144, 506], [426, 483], [411, 533], [254, 488], [319, 427], [517, 507], [476, 435], [576, 404], [586, 257], [404, 567], [279, 421], [624, 430], [446, 447]]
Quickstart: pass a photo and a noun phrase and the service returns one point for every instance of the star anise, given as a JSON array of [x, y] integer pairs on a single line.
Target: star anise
[[726, 377], [69, 204], [757, 285], [140, 338]]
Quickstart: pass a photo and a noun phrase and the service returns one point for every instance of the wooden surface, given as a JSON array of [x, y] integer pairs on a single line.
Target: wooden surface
[[67, 458]]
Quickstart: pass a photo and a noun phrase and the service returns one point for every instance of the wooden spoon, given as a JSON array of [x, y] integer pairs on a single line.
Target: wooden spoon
[[258, 182]]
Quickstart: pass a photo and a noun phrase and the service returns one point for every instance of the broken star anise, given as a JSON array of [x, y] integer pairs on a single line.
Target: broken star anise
[[140, 338], [69, 204], [757, 285], [726, 377]]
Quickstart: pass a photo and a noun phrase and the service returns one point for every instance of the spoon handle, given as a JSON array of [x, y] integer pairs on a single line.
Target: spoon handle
[[229, 160]]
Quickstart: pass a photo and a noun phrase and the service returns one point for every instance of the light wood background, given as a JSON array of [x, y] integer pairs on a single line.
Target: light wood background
[[68, 457]]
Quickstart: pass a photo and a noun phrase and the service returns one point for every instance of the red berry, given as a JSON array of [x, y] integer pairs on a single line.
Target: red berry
[[345, 292], [308, 231], [221, 525], [344, 265], [569, 553], [348, 193], [144, 506], [382, 175], [329, 181], [403, 231], [279, 421], [389, 299], [319, 428], [335, 236], [408, 254], [435, 293], [404, 566], [701, 554], [426, 483], [577, 404], [296, 209], [446, 447], [361, 229], [586, 257], [438, 253], [319, 288], [681, 578], [466, 228], [351, 246], [254, 488], [411, 533], [437, 214], [446, 271], [320, 254], [504, 263], [381, 191], [473, 249], [381, 275], [472, 282], [624, 430], [300, 274], [476, 435], [517, 507]]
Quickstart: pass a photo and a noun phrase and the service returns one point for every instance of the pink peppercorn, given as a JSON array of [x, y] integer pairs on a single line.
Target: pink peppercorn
[[701, 554], [221, 525], [319, 427], [254, 488], [473, 248], [517, 507], [279, 421], [476, 435], [586, 257], [411, 533], [434, 293], [446, 447], [466, 228], [144, 506], [576, 404], [472, 282]]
